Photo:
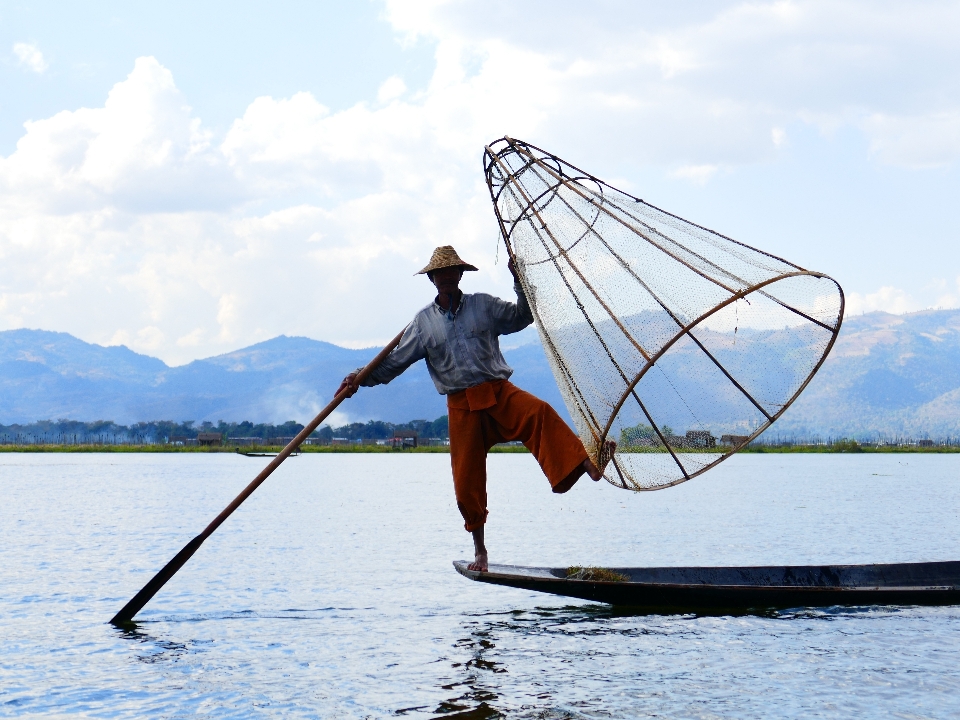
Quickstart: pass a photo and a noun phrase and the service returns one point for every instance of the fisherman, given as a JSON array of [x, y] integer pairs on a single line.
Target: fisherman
[[458, 334]]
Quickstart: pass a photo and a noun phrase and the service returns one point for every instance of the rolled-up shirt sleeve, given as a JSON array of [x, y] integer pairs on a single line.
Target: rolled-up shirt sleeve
[[410, 349], [511, 317]]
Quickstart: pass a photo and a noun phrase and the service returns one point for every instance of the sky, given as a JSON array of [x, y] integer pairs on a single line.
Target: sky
[[190, 178]]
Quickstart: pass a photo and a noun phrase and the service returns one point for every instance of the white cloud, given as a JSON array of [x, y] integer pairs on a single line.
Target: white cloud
[[887, 299], [698, 174], [30, 57], [921, 141], [131, 222], [944, 293], [127, 224], [696, 84], [142, 151], [392, 88]]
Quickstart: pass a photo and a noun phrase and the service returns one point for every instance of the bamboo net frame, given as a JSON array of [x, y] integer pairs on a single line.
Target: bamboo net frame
[[649, 320]]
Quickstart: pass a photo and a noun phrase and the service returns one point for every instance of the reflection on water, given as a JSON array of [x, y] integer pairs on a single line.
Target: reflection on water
[[152, 649], [331, 594], [843, 661]]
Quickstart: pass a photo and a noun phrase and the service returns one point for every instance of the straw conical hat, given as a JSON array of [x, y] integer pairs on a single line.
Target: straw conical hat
[[443, 257]]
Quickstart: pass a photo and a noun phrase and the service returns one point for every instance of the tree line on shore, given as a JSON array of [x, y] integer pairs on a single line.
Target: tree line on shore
[[73, 432], [105, 432]]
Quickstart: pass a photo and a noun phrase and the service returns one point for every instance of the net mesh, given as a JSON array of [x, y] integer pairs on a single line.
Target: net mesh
[[679, 344]]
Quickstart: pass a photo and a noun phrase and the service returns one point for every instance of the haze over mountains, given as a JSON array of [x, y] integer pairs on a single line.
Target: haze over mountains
[[888, 374]]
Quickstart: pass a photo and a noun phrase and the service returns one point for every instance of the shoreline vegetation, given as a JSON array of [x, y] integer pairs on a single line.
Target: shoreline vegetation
[[418, 436], [250, 450], [266, 450]]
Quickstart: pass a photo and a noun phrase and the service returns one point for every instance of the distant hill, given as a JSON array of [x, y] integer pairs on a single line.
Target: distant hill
[[892, 374], [46, 375]]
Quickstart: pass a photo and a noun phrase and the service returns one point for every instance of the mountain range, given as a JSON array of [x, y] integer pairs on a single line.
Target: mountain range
[[892, 375]]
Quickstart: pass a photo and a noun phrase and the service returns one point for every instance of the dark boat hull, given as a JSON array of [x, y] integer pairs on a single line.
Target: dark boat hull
[[266, 454], [744, 588]]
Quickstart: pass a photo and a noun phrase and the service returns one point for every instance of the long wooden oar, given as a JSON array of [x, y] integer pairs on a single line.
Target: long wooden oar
[[136, 604]]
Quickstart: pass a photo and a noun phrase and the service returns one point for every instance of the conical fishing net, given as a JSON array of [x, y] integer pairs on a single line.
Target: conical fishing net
[[679, 344]]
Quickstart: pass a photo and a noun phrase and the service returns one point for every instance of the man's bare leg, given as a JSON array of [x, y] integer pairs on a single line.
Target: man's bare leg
[[480, 550], [587, 467]]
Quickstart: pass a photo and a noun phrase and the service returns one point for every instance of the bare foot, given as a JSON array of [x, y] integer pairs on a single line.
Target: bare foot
[[606, 455], [480, 564], [587, 467], [595, 473]]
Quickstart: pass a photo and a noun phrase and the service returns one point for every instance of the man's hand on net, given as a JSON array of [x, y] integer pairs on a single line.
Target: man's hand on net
[[349, 384], [513, 270]]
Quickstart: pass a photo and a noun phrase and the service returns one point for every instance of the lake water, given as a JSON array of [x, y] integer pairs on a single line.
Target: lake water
[[330, 593]]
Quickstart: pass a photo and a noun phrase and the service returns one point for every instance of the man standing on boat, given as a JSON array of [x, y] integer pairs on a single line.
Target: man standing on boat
[[457, 334]]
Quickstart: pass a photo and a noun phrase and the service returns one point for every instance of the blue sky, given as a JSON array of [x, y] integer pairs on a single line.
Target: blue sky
[[222, 55], [189, 178]]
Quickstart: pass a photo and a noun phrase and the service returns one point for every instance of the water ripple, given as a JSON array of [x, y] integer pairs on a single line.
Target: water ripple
[[330, 593]]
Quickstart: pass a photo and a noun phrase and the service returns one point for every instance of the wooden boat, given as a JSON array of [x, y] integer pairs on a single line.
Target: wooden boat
[[257, 453], [673, 589]]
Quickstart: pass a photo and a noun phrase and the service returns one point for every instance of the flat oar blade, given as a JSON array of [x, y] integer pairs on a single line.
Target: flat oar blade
[[146, 594]]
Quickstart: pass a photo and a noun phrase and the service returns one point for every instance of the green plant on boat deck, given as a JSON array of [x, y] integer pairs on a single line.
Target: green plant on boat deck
[[597, 574]]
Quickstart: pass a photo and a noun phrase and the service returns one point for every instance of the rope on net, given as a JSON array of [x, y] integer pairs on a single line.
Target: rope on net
[[678, 343]]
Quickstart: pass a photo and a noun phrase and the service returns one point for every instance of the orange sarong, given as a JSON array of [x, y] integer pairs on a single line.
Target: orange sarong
[[495, 412]]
